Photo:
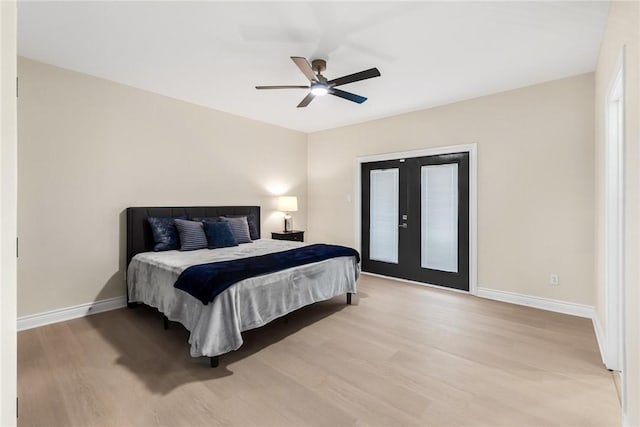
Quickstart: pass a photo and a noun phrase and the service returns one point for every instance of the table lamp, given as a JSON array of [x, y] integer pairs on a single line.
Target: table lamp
[[288, 204]]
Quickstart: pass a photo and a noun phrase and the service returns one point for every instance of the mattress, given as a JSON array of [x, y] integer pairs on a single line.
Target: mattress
[[216, 328]]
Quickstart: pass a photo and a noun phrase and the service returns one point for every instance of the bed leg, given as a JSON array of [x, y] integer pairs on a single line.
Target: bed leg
[[349, 298], [165, 322], [132, 305], [214, 361]]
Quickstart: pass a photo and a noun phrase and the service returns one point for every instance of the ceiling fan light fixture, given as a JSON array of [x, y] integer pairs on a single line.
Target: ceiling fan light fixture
[[319, 89]]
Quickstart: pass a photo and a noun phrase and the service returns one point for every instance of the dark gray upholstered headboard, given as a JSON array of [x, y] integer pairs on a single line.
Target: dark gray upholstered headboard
[[140, 238]]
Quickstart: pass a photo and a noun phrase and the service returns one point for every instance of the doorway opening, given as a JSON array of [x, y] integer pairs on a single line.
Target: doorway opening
[[614, 219]]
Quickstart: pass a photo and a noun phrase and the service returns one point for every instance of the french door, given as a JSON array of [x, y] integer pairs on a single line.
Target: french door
[[415, 219]]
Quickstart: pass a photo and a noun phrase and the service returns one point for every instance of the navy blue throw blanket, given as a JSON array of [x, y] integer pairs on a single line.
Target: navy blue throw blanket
[[207, 281]]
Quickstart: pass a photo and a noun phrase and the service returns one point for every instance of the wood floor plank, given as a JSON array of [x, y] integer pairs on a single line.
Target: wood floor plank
[[39, 394], [400, 355]]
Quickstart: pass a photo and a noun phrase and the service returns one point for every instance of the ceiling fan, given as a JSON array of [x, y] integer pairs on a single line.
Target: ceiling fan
[[320, 86]]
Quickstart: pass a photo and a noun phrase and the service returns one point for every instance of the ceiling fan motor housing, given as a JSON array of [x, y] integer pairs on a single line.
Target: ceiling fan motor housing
[[319, 65]]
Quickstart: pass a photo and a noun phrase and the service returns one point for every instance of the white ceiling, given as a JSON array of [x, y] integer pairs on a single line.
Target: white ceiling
[[214, 53]]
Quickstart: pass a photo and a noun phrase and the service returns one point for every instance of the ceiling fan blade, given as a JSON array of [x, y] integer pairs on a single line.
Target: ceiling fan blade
[[362, 75], [347, 95], [305, 67], [282, 87], [307, 99]]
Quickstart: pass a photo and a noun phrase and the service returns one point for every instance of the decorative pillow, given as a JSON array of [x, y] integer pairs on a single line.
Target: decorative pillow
[[252, 221], [219, 235], [239, 228], [191, 235], [164, 233]]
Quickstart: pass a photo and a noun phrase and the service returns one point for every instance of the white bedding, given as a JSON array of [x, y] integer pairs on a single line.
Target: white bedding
[[216, 327]]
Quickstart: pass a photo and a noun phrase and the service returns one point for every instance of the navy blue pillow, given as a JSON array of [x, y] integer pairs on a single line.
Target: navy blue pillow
[[164, 233], [219, 235]]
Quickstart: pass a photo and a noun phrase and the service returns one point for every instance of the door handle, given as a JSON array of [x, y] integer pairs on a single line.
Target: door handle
[[403, 225]]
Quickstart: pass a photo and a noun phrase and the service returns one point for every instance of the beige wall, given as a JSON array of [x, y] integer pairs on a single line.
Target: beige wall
[[535, 181], [90, 147], [623, 29], [8, 197]]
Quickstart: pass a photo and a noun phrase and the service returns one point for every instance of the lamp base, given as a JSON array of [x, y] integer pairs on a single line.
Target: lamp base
[[288, 223]]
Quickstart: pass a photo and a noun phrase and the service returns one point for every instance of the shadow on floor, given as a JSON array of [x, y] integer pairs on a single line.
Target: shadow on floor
[[160, 358]]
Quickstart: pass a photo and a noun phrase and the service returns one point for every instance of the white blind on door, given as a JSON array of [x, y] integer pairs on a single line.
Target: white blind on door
[[439, 199], [383, 215]]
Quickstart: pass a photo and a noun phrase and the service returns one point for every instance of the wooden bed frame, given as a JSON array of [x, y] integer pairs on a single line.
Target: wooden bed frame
[[140, 237]]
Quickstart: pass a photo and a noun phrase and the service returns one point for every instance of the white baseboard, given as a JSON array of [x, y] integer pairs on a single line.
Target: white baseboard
[[600, 337], [68, 313], [572, 308]]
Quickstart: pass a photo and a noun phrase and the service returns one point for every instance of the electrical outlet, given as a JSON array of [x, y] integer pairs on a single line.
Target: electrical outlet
[[555, 280]]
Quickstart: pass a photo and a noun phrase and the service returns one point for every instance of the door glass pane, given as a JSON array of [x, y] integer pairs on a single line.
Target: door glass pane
[[439, 199], [383, 215]]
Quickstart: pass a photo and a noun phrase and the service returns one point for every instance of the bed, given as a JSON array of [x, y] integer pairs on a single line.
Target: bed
[[216, 328]]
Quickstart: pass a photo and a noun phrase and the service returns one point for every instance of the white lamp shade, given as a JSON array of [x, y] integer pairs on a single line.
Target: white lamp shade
[[288, 204]]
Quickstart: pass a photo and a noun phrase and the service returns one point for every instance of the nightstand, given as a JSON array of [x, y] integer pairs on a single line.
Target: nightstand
[[294, 235]]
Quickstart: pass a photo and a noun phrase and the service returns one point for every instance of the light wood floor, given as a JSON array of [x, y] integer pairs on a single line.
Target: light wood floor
[[401, 355]]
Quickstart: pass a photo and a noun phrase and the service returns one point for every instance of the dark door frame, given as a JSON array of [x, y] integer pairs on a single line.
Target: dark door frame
[[473, 201]]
